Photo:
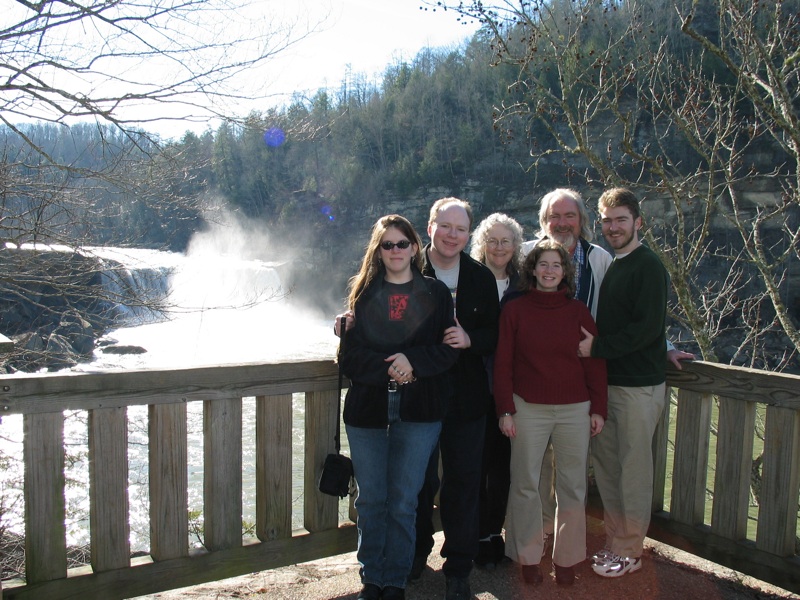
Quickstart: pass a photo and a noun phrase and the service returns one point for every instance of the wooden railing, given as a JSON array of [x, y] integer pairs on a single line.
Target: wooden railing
[[42, 400], [704, 390], [723, 407]]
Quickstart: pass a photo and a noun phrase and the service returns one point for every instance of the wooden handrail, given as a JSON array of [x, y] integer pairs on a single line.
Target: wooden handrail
[[727, 399], [42, 400], [705, 394]]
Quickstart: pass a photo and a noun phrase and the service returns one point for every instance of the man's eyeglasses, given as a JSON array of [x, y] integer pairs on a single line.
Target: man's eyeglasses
[[504, 243], [402, 244]]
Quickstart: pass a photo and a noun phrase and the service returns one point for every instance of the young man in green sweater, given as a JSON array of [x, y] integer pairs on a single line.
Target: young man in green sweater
[[631, 337]]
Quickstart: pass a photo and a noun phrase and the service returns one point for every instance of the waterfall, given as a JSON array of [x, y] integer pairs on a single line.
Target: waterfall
[[135, 282], [218, 308]]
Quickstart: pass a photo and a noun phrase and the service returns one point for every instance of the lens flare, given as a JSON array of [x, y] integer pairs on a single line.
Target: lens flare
[[274, 137], [328, 212]]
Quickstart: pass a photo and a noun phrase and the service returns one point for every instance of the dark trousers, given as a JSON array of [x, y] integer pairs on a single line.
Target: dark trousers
[[461, 447], [495, 480]]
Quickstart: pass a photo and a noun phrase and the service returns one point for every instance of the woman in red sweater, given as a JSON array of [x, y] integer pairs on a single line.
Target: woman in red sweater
[[544, 391]]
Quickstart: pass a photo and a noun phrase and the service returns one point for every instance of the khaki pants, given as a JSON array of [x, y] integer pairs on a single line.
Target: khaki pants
[[547, 491], [567, 427], [622, 457]]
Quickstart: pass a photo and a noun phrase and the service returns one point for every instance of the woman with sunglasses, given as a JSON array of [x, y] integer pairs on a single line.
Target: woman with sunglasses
[[397, 364]]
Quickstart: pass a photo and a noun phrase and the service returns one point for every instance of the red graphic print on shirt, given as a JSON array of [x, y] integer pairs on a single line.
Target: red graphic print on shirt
[[398, 303]]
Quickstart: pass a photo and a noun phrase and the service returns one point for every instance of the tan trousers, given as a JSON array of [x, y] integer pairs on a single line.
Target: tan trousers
[[622, 457], [567, 427], [547, 490]]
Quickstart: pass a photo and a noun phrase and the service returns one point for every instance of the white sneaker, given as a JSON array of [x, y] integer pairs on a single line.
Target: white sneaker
[[617, 566], [601, 556]]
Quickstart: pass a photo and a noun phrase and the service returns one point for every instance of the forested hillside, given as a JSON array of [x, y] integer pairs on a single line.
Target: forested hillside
[[426, 124], [692, 104]]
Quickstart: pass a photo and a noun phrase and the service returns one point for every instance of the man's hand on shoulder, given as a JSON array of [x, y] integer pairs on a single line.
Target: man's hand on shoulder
[[585, 345], [457, 337]]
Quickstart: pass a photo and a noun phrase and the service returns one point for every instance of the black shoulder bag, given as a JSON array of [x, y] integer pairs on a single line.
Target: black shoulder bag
[[337, 472]]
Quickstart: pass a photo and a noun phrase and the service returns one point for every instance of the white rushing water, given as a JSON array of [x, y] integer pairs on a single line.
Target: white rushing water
[[225, 310]]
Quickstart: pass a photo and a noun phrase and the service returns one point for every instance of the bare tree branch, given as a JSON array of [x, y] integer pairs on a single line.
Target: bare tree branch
[[696, 105]]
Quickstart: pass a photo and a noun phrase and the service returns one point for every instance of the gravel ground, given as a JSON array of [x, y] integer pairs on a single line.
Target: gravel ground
[[667, 573]]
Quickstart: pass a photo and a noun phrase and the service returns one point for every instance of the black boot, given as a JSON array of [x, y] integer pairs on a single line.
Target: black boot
[[499, 549], [370, 591], [565, 575], [457, 588], [391, 592]]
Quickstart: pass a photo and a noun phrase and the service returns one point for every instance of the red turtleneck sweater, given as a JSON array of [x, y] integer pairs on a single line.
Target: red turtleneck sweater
[[537, 354]]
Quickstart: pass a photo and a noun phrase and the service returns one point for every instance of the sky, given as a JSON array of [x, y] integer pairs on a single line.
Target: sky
[[363, 36], [367, 35]]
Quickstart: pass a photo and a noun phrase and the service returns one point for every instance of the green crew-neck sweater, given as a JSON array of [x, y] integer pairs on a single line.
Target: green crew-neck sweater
[[631, 315]]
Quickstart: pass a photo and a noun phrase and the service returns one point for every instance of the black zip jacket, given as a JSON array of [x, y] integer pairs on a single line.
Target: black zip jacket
[[478, 312], [429, 313]]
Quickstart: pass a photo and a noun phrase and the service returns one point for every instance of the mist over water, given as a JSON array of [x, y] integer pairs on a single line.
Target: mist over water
[[228, 304]]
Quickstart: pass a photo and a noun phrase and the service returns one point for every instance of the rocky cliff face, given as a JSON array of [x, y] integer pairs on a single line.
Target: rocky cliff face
[[52, 306]]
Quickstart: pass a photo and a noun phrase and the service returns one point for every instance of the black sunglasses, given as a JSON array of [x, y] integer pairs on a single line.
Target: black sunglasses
[[402, 244]]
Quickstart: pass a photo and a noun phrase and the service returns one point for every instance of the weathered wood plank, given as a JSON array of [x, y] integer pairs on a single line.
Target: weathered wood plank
[[274, 467], [108, 489], [320, 511], [151, 578], [692, 431], [660, 448], [168, 472], [222, 474], [735, 435], [45, 532], [777, 515], [737, 383], [51, 392]]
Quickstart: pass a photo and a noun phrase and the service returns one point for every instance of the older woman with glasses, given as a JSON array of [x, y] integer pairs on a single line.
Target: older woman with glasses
[[497, 243], [397, 364]]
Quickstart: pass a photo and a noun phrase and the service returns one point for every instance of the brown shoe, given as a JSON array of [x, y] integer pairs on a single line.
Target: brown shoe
[[532, 574], [565, 575]]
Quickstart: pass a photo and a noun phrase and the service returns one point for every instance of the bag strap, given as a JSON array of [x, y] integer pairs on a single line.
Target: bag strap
[[337, 435]]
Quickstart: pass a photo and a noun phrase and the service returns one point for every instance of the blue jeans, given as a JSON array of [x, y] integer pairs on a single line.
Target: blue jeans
[[389, 466]]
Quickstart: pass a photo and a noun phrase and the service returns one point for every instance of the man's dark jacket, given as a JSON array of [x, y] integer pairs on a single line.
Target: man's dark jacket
[[477, 311]]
